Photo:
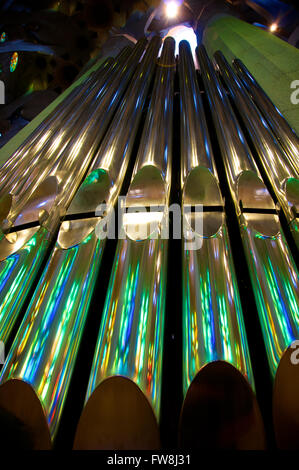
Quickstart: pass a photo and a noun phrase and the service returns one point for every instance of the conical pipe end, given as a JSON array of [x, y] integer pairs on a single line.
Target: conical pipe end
[[220, 411], [117, 415], [286, 401], [22, 418]]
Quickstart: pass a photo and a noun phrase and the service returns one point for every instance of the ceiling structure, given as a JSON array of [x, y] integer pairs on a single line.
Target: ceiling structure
[[55, 40]]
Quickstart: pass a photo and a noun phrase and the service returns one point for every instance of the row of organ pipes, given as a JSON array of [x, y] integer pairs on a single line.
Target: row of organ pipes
[[50, 255]]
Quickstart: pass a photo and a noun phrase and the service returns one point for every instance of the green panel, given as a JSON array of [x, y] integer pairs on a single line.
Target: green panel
[[273, 62], [7, 150]]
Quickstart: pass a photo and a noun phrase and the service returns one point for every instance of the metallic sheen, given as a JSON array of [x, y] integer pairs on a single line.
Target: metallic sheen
[[213, 325], [280, 170], [130, 342], [280, 127], [46, 346], [273, 272], [47, 199]]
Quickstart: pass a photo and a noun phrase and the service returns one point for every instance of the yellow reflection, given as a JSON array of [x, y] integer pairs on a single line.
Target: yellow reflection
[[273, 27]]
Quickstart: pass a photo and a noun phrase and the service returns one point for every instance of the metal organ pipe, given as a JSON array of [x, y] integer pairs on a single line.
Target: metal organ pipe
[[45, 131], [122, 404], [217, 370], [272, 269], [33, 219], [280, 127], [280, 170], [61, 186], [40, 364], [33, 168], [274, 275]]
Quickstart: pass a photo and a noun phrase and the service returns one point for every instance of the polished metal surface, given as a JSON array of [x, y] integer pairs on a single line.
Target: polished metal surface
[[68, 138], [129, 345], [156, 144], [45, 126], [229, 132], [196, 147], [62, 185], [43, 352], [211, 266], [285, 135], [281, 172], [213, 325], [272, 268], [275, 283], [61, 301], [46, 131], [120, 138], [67, 176], [130, 341]]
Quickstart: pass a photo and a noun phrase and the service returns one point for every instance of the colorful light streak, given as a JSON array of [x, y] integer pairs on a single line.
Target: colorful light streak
[[273, 273], [212, 314], [14, 61], [45, 348], [130, 341], [17, 274], [213, 325], [275, 284]]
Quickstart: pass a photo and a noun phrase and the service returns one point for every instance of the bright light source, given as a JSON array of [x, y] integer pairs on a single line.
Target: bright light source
[[172, 9], [273, 27], [180, 33]]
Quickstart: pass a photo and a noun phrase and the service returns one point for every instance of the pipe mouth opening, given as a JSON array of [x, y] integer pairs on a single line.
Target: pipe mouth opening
[[147, 188], [254, 199], [220, 411], [23, 425], [41, 200], [201, 188], [93, 192], [92, 198], [286, 401], [145, 204], [117, 416]]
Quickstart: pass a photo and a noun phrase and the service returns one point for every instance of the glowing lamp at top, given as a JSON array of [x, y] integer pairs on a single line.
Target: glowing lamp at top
[[172, 9], [273, 27]]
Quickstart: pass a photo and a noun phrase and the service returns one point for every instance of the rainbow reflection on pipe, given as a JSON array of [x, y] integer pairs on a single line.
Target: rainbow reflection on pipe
[[124, 392], [216, 360]]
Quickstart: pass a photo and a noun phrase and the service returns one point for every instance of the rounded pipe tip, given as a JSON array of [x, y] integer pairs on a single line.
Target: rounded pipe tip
[[22, 418], [286, 401], [220, 411], [117, 416]]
